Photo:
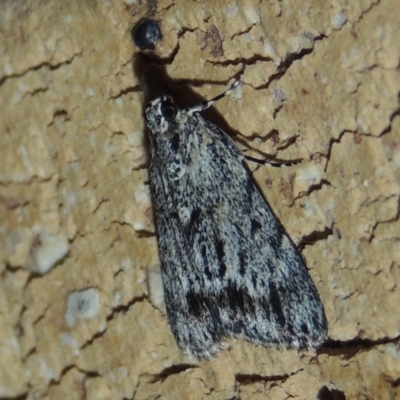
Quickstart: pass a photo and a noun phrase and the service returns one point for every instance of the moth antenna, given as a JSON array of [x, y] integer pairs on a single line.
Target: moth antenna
[[206, 104]]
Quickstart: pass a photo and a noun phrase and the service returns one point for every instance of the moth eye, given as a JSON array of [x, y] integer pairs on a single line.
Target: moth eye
[[168, 111]]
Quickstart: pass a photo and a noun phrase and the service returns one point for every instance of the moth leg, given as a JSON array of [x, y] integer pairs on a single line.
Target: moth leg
[[272, 163]]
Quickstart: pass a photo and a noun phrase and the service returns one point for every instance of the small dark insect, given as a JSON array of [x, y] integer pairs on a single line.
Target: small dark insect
[[228, 268], [146, 34]]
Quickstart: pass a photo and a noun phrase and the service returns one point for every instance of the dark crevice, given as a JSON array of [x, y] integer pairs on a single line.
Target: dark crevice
[[169, 371], [286, 143], [330, 394], [285, 64], [60, 114], [23, 396], [314, 237], [51, 67], [366, 11], [277, 109], [395, 383], [357, 137], [312, 188], [242, 61], [116, 310], [62, 373], [240, 33], [333, 141], [100, 203], [389, 221], [29, 353], [145, 165], [244, 379], [90, 374], [90, 341], [272, 135], [125, 307], [123, 92], [389, 127], [145, 234], [350, 348], [36, 91]]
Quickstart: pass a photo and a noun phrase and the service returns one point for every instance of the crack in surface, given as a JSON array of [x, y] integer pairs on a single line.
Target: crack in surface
[[125, 91], [314, 237], [244, 379], [170, 371], [116, 310], [37, 67], [348, 349]]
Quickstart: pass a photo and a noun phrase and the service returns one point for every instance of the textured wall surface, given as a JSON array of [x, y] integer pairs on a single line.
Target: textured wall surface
[[80, 309]]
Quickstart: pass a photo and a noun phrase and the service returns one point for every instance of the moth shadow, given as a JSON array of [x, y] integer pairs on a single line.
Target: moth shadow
[[155, 81]]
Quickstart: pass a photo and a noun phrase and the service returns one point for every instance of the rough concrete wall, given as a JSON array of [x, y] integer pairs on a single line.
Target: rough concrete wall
[[320, 86]]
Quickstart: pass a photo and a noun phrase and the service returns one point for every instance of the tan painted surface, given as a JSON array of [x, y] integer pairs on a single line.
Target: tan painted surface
[[321, 86]]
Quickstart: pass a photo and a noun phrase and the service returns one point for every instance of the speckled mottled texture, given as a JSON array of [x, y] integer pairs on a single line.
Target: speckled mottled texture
[[321, 86], [229, 269]]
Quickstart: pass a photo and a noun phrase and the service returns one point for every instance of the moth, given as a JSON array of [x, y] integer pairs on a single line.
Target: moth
[[228, 268]]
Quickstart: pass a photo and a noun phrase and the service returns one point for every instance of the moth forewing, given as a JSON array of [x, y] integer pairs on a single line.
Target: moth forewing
[[228, 268]]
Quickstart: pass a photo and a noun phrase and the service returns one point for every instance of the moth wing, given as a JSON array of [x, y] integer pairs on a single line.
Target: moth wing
[[245, 272], [194, 329], [260, 287], [232, 271]]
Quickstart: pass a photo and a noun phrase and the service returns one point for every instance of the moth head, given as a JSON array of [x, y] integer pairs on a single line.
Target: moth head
[[161, 114]]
